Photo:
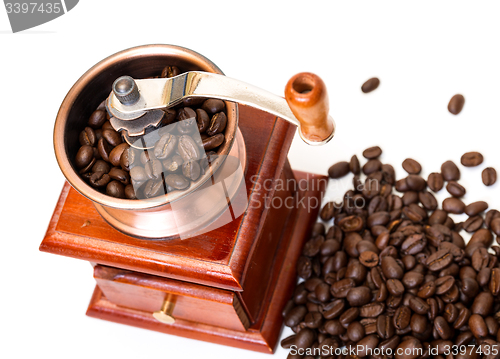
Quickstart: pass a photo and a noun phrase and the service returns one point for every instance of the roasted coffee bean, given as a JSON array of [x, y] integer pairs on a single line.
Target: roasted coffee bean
[[472, 224], [97, 119], [173, 164], [415, 183], [471, 159], [101, 166], [116, 154], [191, 170], [483, 237], [450, 171], [414, 244], [368, 259], [104, 149], [153, 188], [99, 179], [372, 152], [212, 106], [138, 174], [428, 200], [483, 304], [212, 142], [476, 208], [188, 149], [170, 71], [435, 181], [372, 166], [395, 287], [371, 310], [119, 175], [217, 124], [495, 226], [130, 192], [489, 176], [453, 205], [391, 268], [165, 146], [355, 331], [354, 165], [456, 104], [402, 317], [439, 260], [370, 85], [153, 169], [115, 189], [442, 328], [87, 137], [351, 224], [358, 296], [127, 159], [112, 137], [411, 166], [338, 170], [478, 326], [84, 156], [176, 181], [455, 189]]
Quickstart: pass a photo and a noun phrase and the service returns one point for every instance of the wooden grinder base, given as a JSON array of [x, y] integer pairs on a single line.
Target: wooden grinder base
[[231, 283]]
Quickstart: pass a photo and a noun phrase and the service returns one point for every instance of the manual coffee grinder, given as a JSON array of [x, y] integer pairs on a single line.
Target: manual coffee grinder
[[215, 262]]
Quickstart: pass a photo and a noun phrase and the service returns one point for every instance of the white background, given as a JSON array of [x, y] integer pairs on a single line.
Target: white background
[[423, 52]]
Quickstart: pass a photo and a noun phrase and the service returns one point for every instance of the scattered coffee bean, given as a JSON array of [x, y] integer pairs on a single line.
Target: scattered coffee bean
[[338, 170], [411, 166], [450, 171], [372, 152], [456, 104], [489, 176], [471, 159], [393, 271], [370, 85]]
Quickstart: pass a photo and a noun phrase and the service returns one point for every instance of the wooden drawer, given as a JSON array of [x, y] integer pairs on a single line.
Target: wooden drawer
[[193, 302]]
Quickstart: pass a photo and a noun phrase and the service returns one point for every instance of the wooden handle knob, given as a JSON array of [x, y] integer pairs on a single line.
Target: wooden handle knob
[[307, 97]]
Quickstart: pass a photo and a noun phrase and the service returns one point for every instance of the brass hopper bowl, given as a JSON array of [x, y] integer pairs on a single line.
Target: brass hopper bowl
[[176, 213]]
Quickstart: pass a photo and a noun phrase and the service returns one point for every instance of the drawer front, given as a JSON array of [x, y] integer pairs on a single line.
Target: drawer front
[[192, 302]]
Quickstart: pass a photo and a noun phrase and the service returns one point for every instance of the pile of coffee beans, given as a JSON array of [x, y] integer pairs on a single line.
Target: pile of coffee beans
[[189, 137], [394, 274]]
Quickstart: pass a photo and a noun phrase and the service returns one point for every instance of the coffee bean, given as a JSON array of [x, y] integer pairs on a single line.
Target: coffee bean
[[170, 71], [99, 179], [372, 166], [112, 137], [453, 205], [442, 327], [471, 159], [450, 171], [351, 224], [455, 189], [475, 208], [402, 317], [411, 166], [483, 237], [368, 259], [87, 137], [101, 166], [176, 181], [138, 174], [188, 149], [115, 189], [391, 268], [435, 181], [97, 119], [154, 188], [415, 183], [372, 152], [153, 169], [104, 149], [84, 156], [213, 106], [456, 104], [489, 176], [165, 146], [213, 142], [370, 85], [339, 170], [439, 260], [358, 296], [130, 192], [217, 124], [119, 175], [355, 331], [483, 304], [116, 153], [478, 326]]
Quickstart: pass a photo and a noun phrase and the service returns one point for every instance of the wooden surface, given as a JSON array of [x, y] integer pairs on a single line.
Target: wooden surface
[[262, 335], [221, 258]]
